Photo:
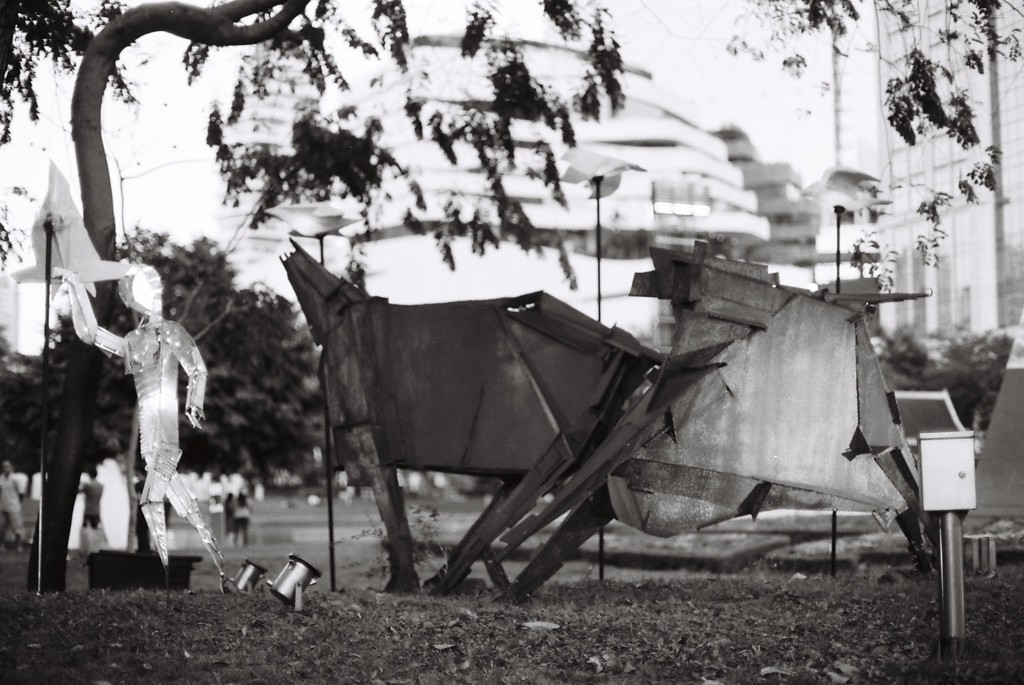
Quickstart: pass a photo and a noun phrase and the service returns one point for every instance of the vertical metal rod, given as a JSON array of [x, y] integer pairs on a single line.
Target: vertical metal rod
[[835, 527], [1004, 261], [597, 194], [328, 466], [951, 587], [839, 215], [48, 227]]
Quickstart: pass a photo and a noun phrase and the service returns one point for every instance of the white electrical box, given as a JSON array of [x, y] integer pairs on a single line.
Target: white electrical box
[[947, 471]]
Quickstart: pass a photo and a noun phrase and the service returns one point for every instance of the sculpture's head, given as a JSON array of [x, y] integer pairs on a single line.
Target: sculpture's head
[[321, 294], [141, 290]]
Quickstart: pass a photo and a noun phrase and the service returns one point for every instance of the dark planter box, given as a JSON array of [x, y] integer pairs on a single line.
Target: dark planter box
[[111, 570]]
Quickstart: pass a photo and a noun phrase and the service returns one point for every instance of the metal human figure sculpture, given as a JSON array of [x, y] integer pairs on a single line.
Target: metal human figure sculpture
[[152, 353]]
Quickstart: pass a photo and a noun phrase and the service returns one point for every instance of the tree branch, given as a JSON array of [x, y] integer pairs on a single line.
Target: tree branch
[[212, 26], [8, 22]]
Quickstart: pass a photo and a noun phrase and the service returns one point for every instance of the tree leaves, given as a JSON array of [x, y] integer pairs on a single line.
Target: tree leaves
[[389, 23], [927, 94], [477, 27], [330, 156]]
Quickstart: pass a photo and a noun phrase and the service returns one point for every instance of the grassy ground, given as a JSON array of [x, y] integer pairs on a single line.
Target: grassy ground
[[759, 626], [871, 624]]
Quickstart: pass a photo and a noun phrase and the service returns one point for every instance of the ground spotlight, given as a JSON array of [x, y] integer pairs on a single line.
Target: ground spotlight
[[247, 577], [295, 577]]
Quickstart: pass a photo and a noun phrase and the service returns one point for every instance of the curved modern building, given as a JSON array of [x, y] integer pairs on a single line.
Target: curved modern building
[[688, 191]]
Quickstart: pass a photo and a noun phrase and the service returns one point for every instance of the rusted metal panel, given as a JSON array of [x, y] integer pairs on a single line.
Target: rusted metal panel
[[519, 388], [785, 411], [696, 333]]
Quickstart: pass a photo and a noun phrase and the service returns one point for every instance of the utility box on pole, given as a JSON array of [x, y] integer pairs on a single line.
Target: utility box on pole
[[947, 471], [947, 489]]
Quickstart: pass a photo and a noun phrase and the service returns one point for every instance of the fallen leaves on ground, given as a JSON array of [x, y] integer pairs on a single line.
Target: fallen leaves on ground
[[718, 629], [541, 625]]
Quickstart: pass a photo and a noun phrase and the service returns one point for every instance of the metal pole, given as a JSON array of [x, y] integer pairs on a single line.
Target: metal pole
[[48, 227], [835, 515], [328, 463], [597, 193], [835, 527], [839, 214], [951, 587]]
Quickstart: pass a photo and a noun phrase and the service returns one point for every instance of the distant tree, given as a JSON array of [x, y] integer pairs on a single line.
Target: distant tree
[[970, 366], [5, 349], [21, 409], [904, 359]]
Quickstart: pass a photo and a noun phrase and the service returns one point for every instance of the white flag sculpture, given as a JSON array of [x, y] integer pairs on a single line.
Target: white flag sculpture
[[72, 249], [845, 190], [604, 174]]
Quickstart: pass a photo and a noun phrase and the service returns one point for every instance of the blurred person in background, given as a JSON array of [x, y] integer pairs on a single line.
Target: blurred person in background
[[10, 506], [241, 520], [91, 530]]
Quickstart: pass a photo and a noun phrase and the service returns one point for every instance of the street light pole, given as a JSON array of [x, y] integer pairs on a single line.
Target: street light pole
[[328, 461], [838, 209], [48, 226], [597, 180], [597, 194], [586, 166], [319, 220]]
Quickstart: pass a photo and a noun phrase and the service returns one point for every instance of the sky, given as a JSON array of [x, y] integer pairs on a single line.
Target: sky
[[168, 180]]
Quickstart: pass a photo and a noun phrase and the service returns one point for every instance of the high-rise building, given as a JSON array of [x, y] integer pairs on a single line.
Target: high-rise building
[[978, 282], [794, 219]]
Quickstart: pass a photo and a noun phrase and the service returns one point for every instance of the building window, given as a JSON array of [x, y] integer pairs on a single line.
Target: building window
[[965, 307], [944, 277], [680, 197]]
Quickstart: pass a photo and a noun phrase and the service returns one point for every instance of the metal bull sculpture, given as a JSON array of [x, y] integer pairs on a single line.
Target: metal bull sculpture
[[770, 398], [518, 388]]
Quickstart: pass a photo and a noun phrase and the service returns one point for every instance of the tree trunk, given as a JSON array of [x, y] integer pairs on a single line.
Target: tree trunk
[[8, 21], [214, 26], [64, 465], [130, 456]]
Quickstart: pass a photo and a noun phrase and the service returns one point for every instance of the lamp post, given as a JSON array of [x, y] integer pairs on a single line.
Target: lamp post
[[843, 190], [48, 228], [319, 220], [604, 174]]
